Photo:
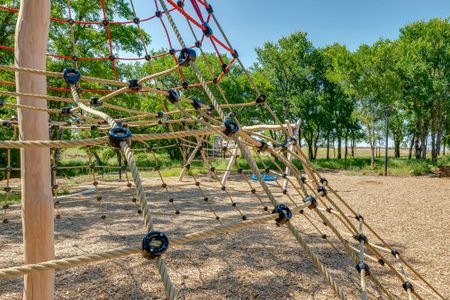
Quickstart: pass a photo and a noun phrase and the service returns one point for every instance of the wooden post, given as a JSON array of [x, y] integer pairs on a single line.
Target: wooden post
[[233, 157], [37, 205], [291, 148], [188, 162]]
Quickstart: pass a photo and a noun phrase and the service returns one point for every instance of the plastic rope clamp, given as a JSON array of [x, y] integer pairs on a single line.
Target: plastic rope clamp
[[225, 69], [311, 200], [284, 214], [209, 9], [118, 135], [172, 96], [363, 266], [322, 189], [264, 146], [323, 180], [235, 54], [95, 102], [261, 99], [207, 29], [408, 286], [196, 104], [186, 56], [154, 244], [134, 85], [66, 111], [231, 127], [71, 75]]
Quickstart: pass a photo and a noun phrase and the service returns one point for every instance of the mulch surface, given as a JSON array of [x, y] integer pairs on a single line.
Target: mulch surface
[[262, 262]]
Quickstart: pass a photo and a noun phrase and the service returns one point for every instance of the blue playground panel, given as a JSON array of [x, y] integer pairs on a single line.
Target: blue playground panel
[[265, 177]]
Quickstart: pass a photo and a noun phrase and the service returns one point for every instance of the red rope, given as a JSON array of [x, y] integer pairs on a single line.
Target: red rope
[[15, 10], [184, 13], [108, 33], [197, 10]]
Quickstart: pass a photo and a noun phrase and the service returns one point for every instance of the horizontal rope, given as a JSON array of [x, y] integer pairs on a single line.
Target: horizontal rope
[[75, 261]]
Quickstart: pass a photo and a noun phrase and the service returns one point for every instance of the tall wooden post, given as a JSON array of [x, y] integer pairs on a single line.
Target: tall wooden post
[[37, 205]]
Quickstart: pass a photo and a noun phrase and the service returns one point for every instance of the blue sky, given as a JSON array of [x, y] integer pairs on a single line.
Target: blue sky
[[250, 23]]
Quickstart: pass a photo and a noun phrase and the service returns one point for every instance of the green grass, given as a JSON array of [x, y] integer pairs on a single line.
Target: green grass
[[396, 166]]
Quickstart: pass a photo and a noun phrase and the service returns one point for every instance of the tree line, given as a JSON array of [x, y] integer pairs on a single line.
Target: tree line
[[342, 96]]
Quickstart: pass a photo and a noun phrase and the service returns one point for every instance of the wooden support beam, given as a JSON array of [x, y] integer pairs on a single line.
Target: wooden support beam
[[37, 204]]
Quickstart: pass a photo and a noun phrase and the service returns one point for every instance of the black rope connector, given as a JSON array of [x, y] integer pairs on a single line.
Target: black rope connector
[[253, 191], [94, 127], [207, 29], [284, 214], [211, 109], [185, 85], [408, 286], [303, 179], [361, 238], [263, 147], [322, 190], [118, 135], [231, 127], [261, 99], [196, 104], [186, 56], [112, 58], [134, 85], [154, 244], [363, 266], [198, 44], [180, 3], [70, 21], [323, 180], [95, 102], [225, 69], [147, 57], [235, 54], [187, 166], [215, 80], [359, 217], [240, 170], [381, 261], [66, 111], [7, 123], [212, 169], [158, 14], [7, 189], [209, 9], [136, 20], [2, 100], [311, 200], [173, 96], [395, 252], [71, 75], [75, 58], [159, 114], [105, 22]]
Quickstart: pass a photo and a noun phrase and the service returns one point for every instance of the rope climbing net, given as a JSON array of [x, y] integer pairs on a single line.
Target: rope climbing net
[[195, 113]]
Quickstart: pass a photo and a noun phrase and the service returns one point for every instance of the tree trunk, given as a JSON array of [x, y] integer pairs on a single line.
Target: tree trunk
[[411, 146], [346, 146], [339, 145], [328, 146], [37, 204]]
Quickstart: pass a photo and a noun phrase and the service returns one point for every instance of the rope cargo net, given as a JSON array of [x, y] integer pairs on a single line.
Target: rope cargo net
[[83, 114]]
